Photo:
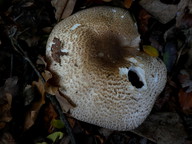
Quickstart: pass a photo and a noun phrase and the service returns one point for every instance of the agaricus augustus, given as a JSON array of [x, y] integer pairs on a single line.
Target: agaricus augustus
[[96, 58]]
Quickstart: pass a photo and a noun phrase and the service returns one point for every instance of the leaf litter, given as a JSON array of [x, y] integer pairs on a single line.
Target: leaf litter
[[36, 105], [64, 8], [166, 32], [6, 95]]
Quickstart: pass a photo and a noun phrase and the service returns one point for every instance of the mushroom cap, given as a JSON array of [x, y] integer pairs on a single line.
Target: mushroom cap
[[95, 55]]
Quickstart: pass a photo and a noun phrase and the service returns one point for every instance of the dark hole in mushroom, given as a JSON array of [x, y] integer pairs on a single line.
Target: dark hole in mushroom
[[134, 79]]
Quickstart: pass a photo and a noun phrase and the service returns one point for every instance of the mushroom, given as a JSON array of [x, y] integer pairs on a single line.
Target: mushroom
[[96, 58]]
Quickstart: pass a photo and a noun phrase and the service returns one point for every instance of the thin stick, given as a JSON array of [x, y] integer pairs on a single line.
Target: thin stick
[[11, 65], [52, 98], [24, 55]]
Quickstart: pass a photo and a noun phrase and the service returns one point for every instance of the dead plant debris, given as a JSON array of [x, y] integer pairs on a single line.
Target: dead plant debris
[[27, 115]]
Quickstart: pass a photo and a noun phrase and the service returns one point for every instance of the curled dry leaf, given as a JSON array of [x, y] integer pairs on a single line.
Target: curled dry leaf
[[162, 12], [48, 87], [40, 63], [144, 17], [49, 115], [6, 93], [47, 30], [184, 17], [28, 4], [10, 86], [46, 75], [164, 98], [32, 41], [163, 128], [65, 104], [127, 3], [64, 8], [5, 107], [185, 100], [54, 90], [28, 94], [44, 88], [185, 80], [7, 138], [36, 105], [186, 20]]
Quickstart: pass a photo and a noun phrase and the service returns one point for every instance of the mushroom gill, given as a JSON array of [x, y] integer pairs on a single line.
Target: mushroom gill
[[95, 54]]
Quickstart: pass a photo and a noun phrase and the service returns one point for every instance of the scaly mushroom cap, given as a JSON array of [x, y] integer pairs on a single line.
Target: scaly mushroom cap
[[95, 55]]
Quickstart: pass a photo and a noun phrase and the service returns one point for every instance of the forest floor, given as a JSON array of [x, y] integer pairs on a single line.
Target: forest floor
[[28, 115]]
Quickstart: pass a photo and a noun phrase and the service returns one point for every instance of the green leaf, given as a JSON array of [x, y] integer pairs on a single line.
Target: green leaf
[[41, 143], [54, 136], [57, 124]]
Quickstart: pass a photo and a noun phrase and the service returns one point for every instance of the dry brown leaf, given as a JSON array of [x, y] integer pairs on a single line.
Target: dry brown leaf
[[7, 138], [6, 93], [49, 115], [162, 12], [44, 88], [51, 89], [32, 41], [41, 88], [28, 95], [185, 100], [184, 17], [2, 125], [185, 80], [163, 128], [54, 90], [5, 107], [105, 132], [36, 105], [30, 119], [164, 98], [144, 17], [127, 3], [64, 8], [47, 30], [64, 103], [47, 75], [186, 20], [10, 86], [30, 92], [27, 4], [71, 121], [48, 87]]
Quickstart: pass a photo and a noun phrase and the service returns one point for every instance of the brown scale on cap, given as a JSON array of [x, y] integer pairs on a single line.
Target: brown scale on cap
[[101, 69]]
